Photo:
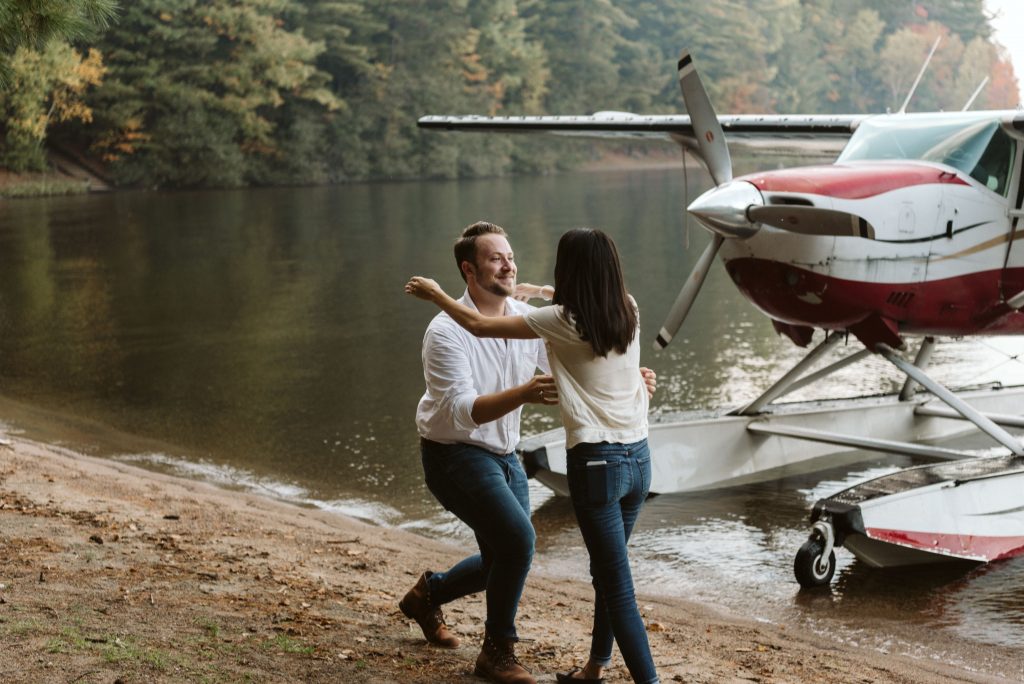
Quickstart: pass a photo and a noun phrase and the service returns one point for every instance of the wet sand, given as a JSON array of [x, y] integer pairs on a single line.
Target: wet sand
[[110, 573]]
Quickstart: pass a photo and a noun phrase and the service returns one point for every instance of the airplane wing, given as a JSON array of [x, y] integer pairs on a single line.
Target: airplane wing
[[771, 133]]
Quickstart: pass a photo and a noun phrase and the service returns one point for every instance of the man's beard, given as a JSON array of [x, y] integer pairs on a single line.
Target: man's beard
[[497, 288]]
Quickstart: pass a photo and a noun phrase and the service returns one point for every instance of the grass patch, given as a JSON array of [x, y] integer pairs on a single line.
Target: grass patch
[[285, 643], [126, 650], [211, 628], [112, 649], [44, 187], [24, 627], [70, 640]]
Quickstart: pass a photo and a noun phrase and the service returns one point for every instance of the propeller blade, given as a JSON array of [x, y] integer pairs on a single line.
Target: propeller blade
[[688, 294], [710, 137], [812, 220]]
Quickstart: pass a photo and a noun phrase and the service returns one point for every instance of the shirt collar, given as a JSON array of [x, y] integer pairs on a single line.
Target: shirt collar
[[468, 301]]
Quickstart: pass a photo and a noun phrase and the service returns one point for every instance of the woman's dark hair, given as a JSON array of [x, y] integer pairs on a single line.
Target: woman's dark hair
[[590, 287]]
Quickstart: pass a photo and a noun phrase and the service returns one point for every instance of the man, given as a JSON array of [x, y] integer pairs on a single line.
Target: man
[[468, 421]]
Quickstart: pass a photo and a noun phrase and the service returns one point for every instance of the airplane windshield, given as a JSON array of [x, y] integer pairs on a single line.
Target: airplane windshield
[[978, 147]]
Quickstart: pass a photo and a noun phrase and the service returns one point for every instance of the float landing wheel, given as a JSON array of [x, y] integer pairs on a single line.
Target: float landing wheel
[[811, 567]]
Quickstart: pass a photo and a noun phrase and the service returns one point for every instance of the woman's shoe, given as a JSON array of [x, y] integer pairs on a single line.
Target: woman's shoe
[[567, 678]]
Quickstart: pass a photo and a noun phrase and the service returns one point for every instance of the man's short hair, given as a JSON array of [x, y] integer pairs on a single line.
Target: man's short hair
[[465, 246]]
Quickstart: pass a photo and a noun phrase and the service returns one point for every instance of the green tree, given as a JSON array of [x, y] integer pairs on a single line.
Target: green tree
[[230, 92], [46, 86], [33, 23], [853, 60], [511, 68], [346, 29], [804, 80], [436, 57], [196, 90], [585, 41], [737, 75]]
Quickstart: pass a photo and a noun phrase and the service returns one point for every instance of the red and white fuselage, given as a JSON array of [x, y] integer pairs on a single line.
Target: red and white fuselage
[[942, 259]]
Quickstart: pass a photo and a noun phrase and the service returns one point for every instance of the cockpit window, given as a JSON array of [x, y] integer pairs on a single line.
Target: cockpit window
[[996, 162], [978, 147]]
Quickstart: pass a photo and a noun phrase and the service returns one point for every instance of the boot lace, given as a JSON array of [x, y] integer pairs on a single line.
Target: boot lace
[[434, 618], [504, 654]]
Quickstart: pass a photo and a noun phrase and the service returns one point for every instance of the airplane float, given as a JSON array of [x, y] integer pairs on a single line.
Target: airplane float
[[912, 232]]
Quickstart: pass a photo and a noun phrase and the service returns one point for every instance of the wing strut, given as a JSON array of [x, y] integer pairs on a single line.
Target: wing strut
[[924, 354], [887, 446], [954, 402], [786, 382], [989, 424]]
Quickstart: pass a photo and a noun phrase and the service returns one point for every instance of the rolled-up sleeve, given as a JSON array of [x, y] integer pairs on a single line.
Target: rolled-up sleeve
[[449, 377]]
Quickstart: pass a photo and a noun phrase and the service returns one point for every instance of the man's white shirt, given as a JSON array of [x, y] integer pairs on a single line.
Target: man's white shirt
[[458, 367]]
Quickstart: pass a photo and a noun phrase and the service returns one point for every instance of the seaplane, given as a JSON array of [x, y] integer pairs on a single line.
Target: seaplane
[[910, 233]]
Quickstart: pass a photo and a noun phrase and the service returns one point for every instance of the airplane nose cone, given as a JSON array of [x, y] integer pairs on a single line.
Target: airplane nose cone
[[723, 210]]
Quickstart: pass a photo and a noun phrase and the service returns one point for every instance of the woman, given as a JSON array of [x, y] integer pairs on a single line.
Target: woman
[[592, 335]]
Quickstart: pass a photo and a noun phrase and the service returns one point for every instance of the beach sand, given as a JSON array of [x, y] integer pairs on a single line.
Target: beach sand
[[110, 573]]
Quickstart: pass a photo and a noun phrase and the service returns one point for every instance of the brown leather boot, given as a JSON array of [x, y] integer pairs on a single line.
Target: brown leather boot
[[417, 605], [498, 663]]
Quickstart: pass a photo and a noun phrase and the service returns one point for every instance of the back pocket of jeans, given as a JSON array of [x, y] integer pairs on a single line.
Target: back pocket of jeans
[[602, 482]]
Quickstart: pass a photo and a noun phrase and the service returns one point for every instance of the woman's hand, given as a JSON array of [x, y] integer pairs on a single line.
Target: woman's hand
[[424, 288]]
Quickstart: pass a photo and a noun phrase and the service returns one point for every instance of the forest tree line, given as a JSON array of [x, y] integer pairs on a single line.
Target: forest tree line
[[220, 93]]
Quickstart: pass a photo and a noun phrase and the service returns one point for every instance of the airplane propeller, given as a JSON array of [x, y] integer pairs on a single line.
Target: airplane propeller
[[715, 153]]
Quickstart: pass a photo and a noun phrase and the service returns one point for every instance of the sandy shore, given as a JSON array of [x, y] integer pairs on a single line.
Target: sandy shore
[[109, 573]]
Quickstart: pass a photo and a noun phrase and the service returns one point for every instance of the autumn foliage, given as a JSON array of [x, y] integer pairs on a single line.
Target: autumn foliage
[[236, 92]]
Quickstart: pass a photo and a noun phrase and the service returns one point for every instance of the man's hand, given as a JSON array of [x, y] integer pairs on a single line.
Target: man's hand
[[650, 379], [525, 292], [540, 390], [423, 288]]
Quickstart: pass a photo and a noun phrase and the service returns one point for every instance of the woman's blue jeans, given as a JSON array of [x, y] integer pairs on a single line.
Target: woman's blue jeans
[[608, 484], [489, 493]]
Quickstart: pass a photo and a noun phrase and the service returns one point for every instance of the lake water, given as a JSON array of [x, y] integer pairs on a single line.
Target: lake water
[[260, 339]]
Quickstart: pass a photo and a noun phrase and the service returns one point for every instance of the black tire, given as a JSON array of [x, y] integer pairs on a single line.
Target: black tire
[[805, 565]]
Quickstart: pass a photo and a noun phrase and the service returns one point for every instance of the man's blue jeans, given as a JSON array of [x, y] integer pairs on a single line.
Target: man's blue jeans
[[608, 484], [489, 493]]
